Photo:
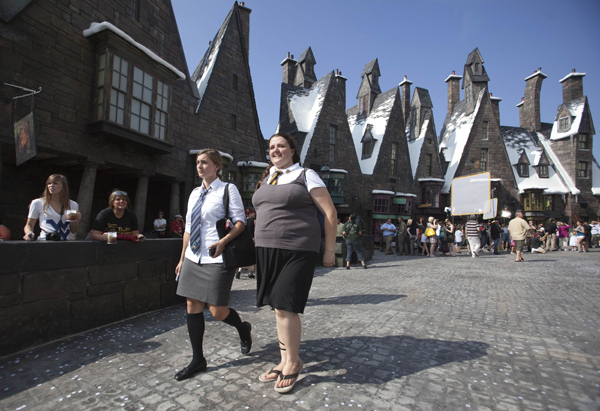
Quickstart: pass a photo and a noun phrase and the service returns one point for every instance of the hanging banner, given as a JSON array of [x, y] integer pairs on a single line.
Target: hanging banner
[[25, 139], [471, 194]]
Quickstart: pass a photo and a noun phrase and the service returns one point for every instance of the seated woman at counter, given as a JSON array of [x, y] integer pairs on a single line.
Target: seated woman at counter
[[116, 218]]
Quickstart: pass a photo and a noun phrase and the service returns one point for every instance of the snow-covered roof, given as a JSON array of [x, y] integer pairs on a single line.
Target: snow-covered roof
[[547, 144], [405, 195], [305, 105], [204, 70], [437, 180], [105, 25], [415, 146], [252, 164], [337, 170], [595, 178], [571, 75], [378, 119], [383, 192], [537, 73], [518, 140], [455, 134], [575, 108]]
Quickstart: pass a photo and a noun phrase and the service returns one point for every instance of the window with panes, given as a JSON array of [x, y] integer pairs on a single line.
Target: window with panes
[[564, 123], [428, 165], [381, 204], [484, 130], [543, 170], [430, 195], [468, 96], [582, 142], [136, 99], [393, 154], [582, 169], [332, 142], [483, 159]]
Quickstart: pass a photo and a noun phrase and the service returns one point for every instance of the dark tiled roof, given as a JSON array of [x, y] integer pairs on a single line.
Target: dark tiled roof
[[472, 55], [424, 97], [370, 67], [308, 56], [477, 77], [517, 138]]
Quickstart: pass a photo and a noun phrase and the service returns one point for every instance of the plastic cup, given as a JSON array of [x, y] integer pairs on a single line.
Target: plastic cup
[[71, 216], [112, 237]]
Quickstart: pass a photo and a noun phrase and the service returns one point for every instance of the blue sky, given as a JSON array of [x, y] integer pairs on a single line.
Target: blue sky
[[424, 40]]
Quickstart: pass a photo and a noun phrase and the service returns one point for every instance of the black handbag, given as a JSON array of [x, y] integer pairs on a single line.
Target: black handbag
[[239, 252]]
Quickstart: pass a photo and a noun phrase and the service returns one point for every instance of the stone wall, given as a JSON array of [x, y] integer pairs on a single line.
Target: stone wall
[[52, 290]]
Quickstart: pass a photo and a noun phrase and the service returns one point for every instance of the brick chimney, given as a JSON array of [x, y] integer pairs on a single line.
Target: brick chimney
[[405, 96], [496, 106], [520, 105], [244, 13], [572, 86], [340, 82], [531, 107], [289, 69], [453, 91]]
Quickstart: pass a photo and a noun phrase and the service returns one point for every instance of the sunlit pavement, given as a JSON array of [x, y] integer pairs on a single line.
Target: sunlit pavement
[[408, 333]]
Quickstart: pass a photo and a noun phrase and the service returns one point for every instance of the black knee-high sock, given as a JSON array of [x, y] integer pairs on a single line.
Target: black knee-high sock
[[234, 319], [195, 324]]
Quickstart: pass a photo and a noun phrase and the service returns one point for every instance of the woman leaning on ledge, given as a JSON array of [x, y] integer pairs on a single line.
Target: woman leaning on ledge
[[116, 218], [203, 280], [51, 210], [288, 239]]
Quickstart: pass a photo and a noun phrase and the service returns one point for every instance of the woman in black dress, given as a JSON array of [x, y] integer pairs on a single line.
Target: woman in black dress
[[288, 239], [202, 278]]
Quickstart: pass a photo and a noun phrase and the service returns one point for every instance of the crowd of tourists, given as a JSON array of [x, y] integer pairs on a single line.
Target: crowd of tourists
[[430, 237]]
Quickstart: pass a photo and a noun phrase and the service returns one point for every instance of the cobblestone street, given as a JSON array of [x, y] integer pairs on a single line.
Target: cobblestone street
[[409, 333]]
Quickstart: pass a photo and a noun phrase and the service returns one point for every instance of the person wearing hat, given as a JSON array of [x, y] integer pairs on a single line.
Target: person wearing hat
[[177, 227]]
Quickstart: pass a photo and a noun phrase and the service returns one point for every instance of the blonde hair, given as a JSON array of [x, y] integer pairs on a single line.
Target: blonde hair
[[409, 222], [64, 195]]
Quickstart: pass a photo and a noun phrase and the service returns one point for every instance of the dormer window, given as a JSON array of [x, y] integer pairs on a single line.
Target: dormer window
[[543, 171], [476, 67], [564, 124], [368, 143], [523, 165]]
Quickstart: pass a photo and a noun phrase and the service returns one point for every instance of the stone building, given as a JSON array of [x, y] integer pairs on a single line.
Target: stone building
[[546, 169], [117, 107]]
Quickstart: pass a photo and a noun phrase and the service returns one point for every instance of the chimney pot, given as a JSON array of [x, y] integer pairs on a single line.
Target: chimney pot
[[209, 42], [491, 95], [292, 56], [574, 71], [540, 69], [522, 98], [453, 72], [288, 56], [340, 73]]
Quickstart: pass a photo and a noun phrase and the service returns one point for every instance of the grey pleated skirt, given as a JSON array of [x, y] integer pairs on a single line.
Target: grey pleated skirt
[[210, 283]]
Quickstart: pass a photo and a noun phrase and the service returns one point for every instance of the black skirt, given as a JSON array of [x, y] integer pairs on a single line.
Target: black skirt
[[284, 278]]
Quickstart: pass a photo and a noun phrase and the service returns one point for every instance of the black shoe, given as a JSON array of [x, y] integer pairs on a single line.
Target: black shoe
[[347, 267], [365, 267], [187, 373], [237, 275], [247, 345]]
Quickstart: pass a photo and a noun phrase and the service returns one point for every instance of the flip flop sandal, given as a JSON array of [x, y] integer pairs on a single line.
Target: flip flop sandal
[[294, 377], [262, 377]]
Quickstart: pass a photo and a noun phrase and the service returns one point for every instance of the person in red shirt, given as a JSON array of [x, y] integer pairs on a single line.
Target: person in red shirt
[[4, 232], [177, 227]]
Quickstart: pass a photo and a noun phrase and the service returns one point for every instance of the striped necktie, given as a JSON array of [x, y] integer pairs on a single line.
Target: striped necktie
[[273, 180], [195, 237]]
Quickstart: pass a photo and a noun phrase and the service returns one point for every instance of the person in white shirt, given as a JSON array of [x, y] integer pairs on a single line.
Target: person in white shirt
[[51, 211], [160, 225], [202, 278]]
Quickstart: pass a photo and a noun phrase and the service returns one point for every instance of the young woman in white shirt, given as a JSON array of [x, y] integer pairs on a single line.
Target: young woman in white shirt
[[51, 211], [203, 280]]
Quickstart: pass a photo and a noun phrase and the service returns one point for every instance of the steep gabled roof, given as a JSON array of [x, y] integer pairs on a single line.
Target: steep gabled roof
[[308, 56], [476, 77], [378, 118], [415, 146], [567, 180], [204, 70], [577, 110], [520, 142], [455, 134], [472, 55], [370, 67], [305, 106]]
